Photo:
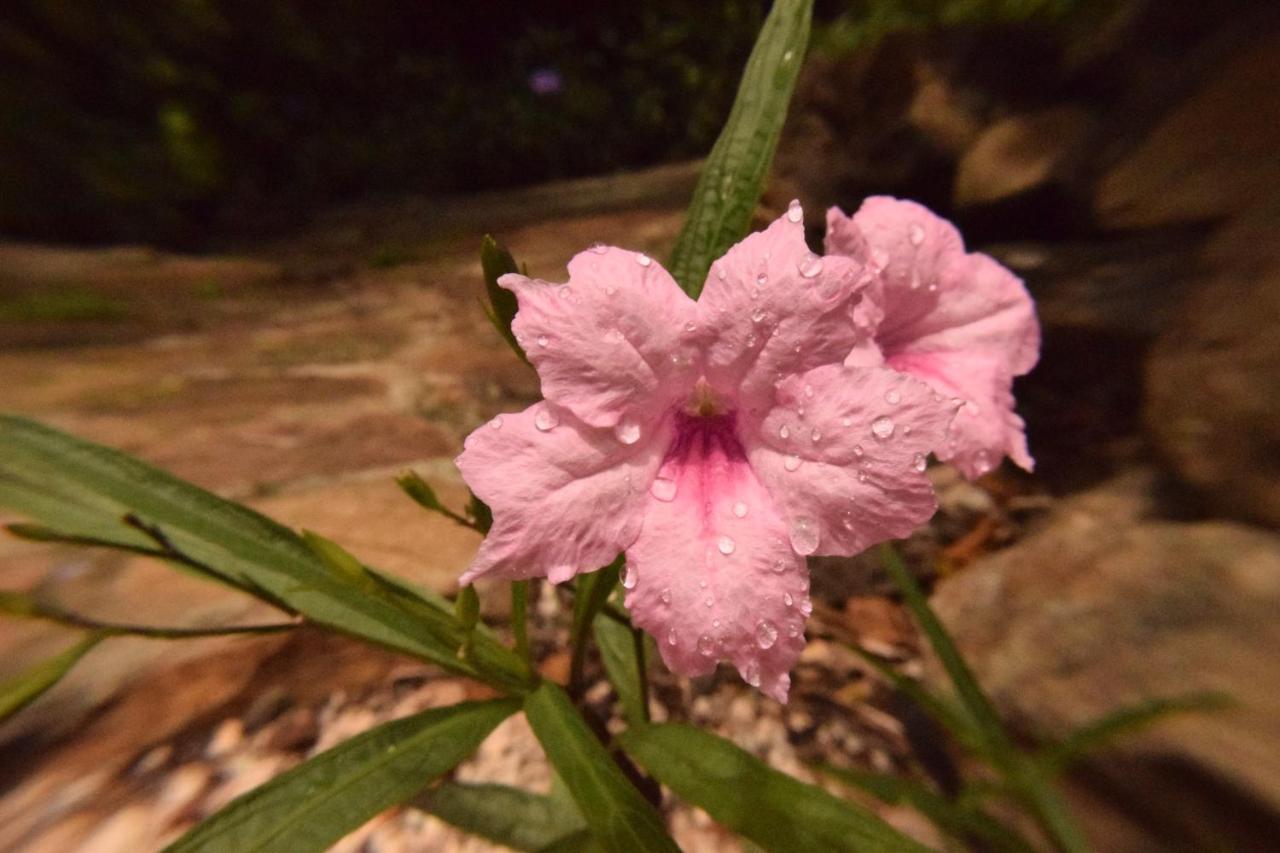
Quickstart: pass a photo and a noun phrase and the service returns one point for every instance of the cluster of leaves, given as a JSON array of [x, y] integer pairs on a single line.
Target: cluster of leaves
[[84, 494]]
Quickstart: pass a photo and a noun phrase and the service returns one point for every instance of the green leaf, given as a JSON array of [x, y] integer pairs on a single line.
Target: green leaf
[[23, 689], [337, 558], [318, 802], [86, 490], [590, 593], [496, 262], [510, 816], [735, 172], [618, 816], [425, 496], [1100, 733], [480, 514], [746, 795], [963, 822], [622, 651]]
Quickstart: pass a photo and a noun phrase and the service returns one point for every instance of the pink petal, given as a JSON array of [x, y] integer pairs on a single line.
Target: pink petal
[[566, 497], [960, 321], [711, 575], [843, 453], [771, 307], [612, 343]]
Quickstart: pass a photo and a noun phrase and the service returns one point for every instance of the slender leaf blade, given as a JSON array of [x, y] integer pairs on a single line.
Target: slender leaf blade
[[496, 262], [618, 816], [510, 816], [316, 803], [26, 687], [733, 177], [623, 663], [746, 795]]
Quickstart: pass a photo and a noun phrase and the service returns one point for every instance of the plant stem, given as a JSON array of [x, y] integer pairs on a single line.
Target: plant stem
[[52, 613], [642, 671], [520, 621]]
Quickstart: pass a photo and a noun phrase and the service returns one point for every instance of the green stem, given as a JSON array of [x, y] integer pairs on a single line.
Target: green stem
[[520, 621], [642, 671], [50, 613]]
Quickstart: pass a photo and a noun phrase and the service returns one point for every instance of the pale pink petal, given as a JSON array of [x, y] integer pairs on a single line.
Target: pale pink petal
[[985, 429], [961, 321], [843, 453], [711, 575], [771, 307], [613, 342], [566, 497]]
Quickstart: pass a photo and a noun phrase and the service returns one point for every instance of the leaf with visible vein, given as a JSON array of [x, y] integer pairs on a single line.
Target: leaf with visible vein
[[27, 686], [510, 816]]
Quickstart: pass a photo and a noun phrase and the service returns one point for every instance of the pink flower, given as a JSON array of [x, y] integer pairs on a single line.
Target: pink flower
[[961, 322], [716, 442]]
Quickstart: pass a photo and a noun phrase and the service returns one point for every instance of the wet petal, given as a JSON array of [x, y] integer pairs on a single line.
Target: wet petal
[[566, 497], [612, 344], [843, 454], [711, 575], [771, 308]]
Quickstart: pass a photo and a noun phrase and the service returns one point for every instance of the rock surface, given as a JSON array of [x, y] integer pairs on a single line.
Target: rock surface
[[1106, 607]]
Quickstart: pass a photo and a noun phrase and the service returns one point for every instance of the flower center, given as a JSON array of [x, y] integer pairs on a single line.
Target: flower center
[[704, 402]]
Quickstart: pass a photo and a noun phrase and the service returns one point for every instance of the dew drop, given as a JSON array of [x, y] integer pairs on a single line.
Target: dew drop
[[689, 327], [758, 315], [794, 212], [715, 623], [816, 435], [496, 423], [915, 234], [779, 566], [726, 545], [918, 462], [664, 489], [804, 584], [702, 584], [630, 577], [846, 422], [804, 535], [858, 451], [784, 431], [614, 336], [862, 476], [740, 509], [666, 596], [706, 645], [793, 629], [599, 248], [787, 599], [610, 290], [643, 260], [542, 340], [792, 462], [545, 420], [808, 391], [627, 431], [766, 634], [809, 265], [721, 272], [751, 673], [880, 258], [762, 279], [882, 427], [671, 637], [892, 397], [566, 292]]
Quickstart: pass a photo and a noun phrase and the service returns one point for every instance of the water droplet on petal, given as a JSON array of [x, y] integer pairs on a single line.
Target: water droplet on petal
[[671, 636], [758, 315], [794, 211], [808, 391], [666, 596], [846, 422], [787, 599], [726, 545], [892, 397], [915, 234], [862, 476], [610, 290], [740, 509], [804, 535], [627, 431], [706, 645], [809, 265], [545, 420], [715, 623], [709, 601], [599, 248], [751, 673], [542, 340], [792, 462], [794, 629], [784, 431], [816, 435], [643, 260], [858, 451], [565, 292], [882, 427], [630, 577], [919, 462], [614, 336], [779, 566], [880, 258], [766, 634], [702, 584], [721, 272], [496, 423], [762, 279], [664, 489], [690, 327], [804, 584]]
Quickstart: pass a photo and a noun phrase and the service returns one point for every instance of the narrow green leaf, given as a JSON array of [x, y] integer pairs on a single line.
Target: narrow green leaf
[[23, 689], [86, 490], [951, 718], [496, 262], [510, 816], [336, 558], [735, 172], [1100, 733], [746, 795], [622, 655], [318, 802], [963, 822], [520, 620], [590, 593], [421, 492], [618, 816], [480, 514]]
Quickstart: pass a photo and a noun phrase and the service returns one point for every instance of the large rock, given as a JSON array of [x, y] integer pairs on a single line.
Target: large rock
[[1104, 608], [1212, 404]]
